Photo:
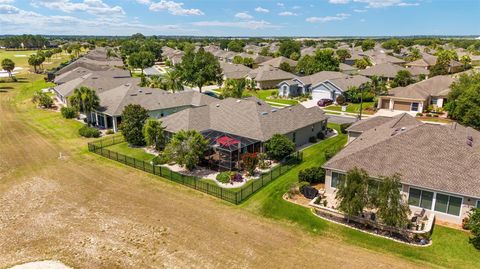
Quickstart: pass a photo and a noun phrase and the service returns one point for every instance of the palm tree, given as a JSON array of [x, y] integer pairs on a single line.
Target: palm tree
[[85, 100], [234, 88], [174, 80]]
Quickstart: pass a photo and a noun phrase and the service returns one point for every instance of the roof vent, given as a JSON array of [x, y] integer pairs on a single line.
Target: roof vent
[[140, 91], [264, 113], [403, 129], [238, 101], [133, 94], [470, 138], [148, 93], [259, 103], [274, 110], [217, 105], [470, 143]]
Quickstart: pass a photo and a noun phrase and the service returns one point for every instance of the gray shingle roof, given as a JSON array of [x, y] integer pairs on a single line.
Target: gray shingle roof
[[234, 71], [426, 155], [250, 118], [268, 73], [436, 86], [276, 62], [386, 70], [99, 81], [113, 101]]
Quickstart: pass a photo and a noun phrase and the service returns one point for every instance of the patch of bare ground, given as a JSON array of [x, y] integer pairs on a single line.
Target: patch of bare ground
[[87, 212]]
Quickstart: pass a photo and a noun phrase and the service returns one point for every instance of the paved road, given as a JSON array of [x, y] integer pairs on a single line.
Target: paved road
[[340, 119]]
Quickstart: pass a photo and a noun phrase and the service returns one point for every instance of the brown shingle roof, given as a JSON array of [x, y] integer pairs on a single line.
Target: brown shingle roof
[[436, 86], [267, 73], [426, 155]]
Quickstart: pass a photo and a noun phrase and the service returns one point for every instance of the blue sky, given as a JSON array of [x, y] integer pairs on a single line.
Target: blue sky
[[241, 17]]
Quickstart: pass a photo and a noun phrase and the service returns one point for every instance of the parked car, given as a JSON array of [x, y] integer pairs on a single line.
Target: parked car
[[324, 102]]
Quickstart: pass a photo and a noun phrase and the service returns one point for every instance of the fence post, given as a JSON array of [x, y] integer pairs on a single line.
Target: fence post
[[171, 174], [143, 165], [160, 170], [252, 187], [134, 163], [281, 168], [271, 174], [221, 193]]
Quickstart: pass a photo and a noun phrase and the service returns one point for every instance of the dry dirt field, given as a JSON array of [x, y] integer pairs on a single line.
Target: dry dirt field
[[88, 212]]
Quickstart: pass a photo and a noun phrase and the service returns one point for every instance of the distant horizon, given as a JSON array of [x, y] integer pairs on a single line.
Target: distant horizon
[[247, 18]]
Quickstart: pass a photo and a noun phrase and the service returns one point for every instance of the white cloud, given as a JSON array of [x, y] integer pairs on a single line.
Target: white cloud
[[243, 16], [296, 7], [280, 4], [377, 3], [254, 25], [360, 10], [96, 7], [6, 1], [338, 1], [174, 8], [385, 3], [287, 13], [262, 10], [338, 17], [15, 20]]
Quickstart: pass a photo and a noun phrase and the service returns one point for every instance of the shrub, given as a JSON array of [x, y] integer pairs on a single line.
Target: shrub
[[329, 153], [321, 135], [428, 115], [312, 139], [262, 161], [293, 190], [42, 99], [419, 114], [109, 132], [435, 115], [302, 185], [343, 127], [279, 147], [340, 100], [312, 175], [86, 131], [236, 177], [224, 177], [68, 112], [160, 159], [474, 227], [250, 161]]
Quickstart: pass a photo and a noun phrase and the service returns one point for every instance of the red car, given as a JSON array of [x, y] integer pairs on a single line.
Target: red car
[[324, 102]]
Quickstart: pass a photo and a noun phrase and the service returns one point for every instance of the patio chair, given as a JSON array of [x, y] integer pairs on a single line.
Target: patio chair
[[420, 214]]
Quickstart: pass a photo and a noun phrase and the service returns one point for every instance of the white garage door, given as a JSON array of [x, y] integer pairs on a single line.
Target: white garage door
[[321, 94]]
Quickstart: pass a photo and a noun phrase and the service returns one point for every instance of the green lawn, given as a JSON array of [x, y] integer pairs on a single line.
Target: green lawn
[[137, 153], [265, 95], [450, 247], [20, 58], [353, 108]]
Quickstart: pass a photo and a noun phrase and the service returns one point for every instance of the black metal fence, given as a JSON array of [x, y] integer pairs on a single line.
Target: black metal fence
[[233, 196]]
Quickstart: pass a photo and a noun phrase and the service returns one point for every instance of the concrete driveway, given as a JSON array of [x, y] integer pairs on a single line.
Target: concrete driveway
[[309, 103], [392, 113]]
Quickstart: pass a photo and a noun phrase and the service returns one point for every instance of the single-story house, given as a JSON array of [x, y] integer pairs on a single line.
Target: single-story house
[[439, 165], [228, 119], [428, 61], [380, 57], [386, 71], [234, 71], [82, 71], [321, 85], [159, 103], [348, 69], [99, 81], [418, 96], [268, 77], [95, 60], [276, 62]]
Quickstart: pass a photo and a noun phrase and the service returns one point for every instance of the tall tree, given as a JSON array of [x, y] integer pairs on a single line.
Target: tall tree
[[141, 60], [352, 193], [8, 65], [392, 209], [174, 80], [402, 79], [466, 61], [343, 54], [199, 68], [236, 45], [464, 100], [323, 60], [234, 88], [133, 119], [153, 133], [288, 47], [186, 148], [36, 60], [85, 100], [368, 44]]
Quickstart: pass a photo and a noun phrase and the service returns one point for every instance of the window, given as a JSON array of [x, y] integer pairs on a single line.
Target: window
[[336, 178], [478, 203], [434, 101], [414, 106], [313, 128], [420, 198], [448, 204], [294, 137]]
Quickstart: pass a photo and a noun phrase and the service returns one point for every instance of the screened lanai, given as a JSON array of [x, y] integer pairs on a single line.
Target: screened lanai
[[226, 150]]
